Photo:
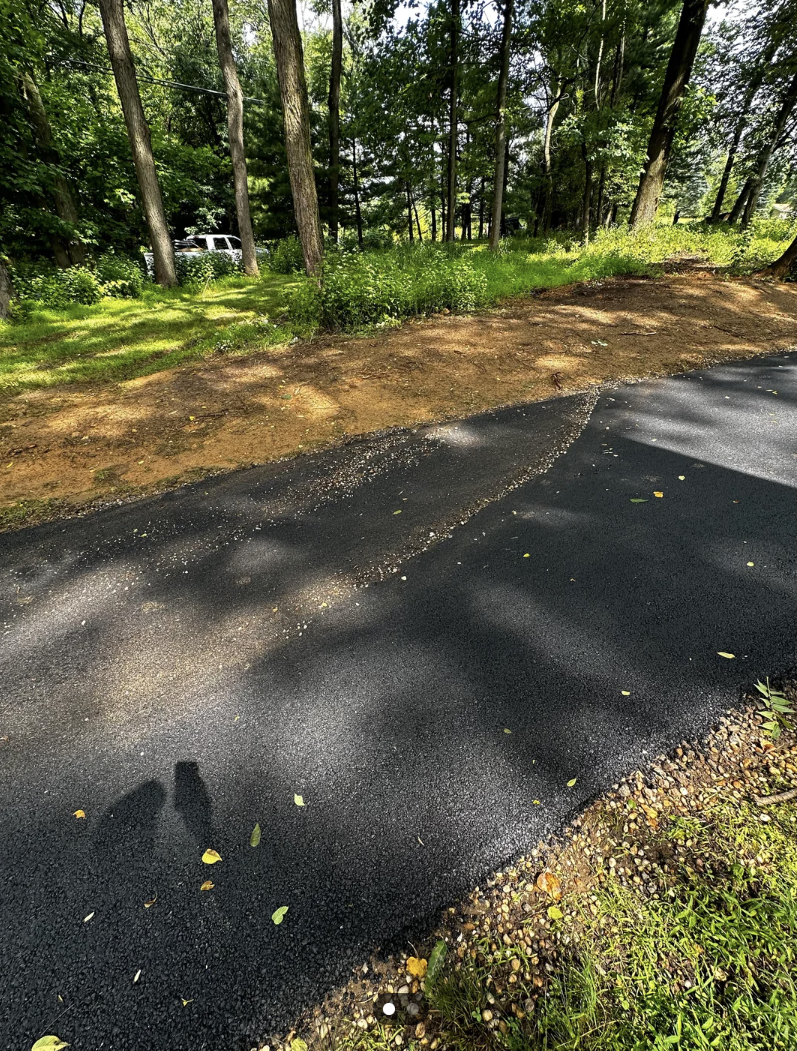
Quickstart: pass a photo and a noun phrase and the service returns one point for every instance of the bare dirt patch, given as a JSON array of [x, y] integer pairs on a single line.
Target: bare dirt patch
[[62, 449]]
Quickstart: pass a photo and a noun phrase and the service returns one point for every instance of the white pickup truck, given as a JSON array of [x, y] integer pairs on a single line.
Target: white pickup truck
[[225, 244]]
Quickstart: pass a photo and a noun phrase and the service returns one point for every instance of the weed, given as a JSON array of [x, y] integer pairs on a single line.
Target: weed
[[776, 707]]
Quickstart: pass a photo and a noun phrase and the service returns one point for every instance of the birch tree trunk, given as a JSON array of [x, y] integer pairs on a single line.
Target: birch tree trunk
[[235, 128], [500, 128], [676, 80], [334, 118], [453, 122], [296, 114], [113, 20]]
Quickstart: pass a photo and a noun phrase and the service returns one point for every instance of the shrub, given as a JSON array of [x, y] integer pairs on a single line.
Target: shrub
[[196, 269], [374, 288], [286, 257], [121, 277], [48, 285]]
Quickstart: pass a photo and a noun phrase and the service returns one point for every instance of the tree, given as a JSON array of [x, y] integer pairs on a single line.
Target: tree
[[500, 128], [6, 290], [785, 110], [784, 265], [296, 116], [334, 117], [676, 80], [113, 20], [235, 127], [453, 121]]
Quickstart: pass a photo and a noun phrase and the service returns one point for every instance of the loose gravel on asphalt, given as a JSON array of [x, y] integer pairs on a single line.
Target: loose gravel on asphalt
[[420, 635]]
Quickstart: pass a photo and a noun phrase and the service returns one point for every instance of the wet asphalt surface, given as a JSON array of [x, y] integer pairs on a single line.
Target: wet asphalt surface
[[180, 667]]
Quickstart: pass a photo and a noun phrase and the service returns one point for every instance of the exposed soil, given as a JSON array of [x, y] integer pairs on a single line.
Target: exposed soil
[[68, 447]]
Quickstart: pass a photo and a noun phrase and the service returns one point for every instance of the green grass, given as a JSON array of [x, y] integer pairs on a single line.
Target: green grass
[[119, 339], [709, 963]]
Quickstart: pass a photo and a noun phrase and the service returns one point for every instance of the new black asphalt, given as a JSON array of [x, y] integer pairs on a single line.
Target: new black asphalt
[[426, 635]]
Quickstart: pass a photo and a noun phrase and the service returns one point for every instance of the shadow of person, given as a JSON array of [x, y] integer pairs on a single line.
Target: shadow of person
[[125, 839], [192, 803]]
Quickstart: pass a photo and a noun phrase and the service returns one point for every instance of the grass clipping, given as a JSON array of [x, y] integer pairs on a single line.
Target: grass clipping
[[666, 917]]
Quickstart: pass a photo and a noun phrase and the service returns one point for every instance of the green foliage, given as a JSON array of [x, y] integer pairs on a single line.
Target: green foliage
[[120, 276], [375, 288], [49, 286], [196, 270], [776, 708], [286, 256]]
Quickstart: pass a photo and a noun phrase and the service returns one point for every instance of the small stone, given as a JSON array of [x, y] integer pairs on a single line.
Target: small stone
[[420, 1031], [413, 1010]]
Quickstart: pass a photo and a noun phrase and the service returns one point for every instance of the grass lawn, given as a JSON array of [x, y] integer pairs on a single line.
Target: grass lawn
[[119, 339]]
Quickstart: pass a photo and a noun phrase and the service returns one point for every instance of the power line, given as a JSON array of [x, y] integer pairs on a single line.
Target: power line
[[164, 83]]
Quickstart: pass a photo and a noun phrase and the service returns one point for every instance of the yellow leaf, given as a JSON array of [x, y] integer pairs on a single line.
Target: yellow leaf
[[186, 1002], [659, 494], [298, 800], [722, 653], [279, 915], [625, 693], [82, 813], [298, 1044], [397, 512], [554, 913], [254, 839], [571, 782], [192, 417], [536, 802], [681, 477], [210, 857], [207, 885], [507, 731], [151, 902], [417, 967], [89, 917], [49, 1043], [137, 976], [549, 884], [751, 563], [527, 555]]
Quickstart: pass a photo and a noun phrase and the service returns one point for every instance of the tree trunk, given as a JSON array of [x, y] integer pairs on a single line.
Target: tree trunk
[[781, 120], [453, 122], [546, 164], [481, 209], [113, 20], [296, 114], [587, 198], [500, 127], [741, 200], [334, 118], [72, 253], [409, 212], [676, 79], [434, 218], [733, 149], [235, 128], [781, 267], [358, 215], [6, 290], [417, 219], [600, 59]]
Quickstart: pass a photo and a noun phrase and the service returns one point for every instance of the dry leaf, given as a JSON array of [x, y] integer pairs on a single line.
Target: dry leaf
[[507, 731], [751, 563], [298, 800], [549, 884], [186, 1002], [151, 902], [625, 693], [730, 656], [82, 813], [659, 494], [89, 917], [137, 976], [279, 915], [207, 885], [417, 967], [210, 857], [49, 1043], [554, 913], [254, 839]]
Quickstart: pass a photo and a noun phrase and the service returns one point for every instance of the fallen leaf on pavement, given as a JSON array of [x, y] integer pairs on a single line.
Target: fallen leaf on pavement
[[507, 731], [136, 976], [49, 1043], [659, 494], [186, 1002], [298, 800], [207, 885], [82, 813], [417, 967], [638, 500], [89, 917], [254, 839], [210, 857], [549, 884], [625, 693], [571, 782], [151, 902], [722, 653], [397, 512], [279, 915]]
